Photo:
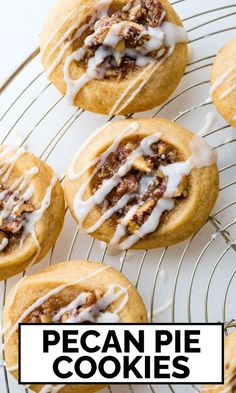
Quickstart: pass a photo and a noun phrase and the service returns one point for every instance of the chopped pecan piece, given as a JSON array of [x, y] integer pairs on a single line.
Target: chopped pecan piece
[[35, 316], [129, 184], [11, 224], [25, 207], [126, 149], [160, 189], [134, 35], [139, 216], [155, 12], [136, 11], [127, 66], [150, 11], [101, 28], [91, 299], [141, 165]]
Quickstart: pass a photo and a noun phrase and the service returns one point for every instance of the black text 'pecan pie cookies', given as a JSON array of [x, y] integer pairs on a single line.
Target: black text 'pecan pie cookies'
[[115, 56], [229, 368], [223, 78], [31, 210], [142, 183], [74, 291]]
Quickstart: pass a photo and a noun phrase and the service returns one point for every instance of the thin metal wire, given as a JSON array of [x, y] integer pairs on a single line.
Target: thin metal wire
[[198, 68], [155, 283], [189, 88], [25, 111], [71, 121], [4, 367], [210, 280], [211, 34], [208, 12], [18, 70], [226, 294], [40, 121], [210, 21]]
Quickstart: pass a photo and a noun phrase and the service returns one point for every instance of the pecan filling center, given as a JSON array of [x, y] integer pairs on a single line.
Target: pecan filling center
[[145, 182], [125, 38], [13, 211]]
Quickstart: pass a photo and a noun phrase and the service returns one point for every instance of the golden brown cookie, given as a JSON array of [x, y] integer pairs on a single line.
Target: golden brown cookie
[[115, 56], [31, 210], [229, 369], [142, 183], [223, 79], [102, 294]]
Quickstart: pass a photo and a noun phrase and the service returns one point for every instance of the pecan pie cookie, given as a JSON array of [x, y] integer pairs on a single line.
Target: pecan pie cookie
[[31, 210], [75, 291], [223, 78], [229, 368], [114, 56], [142, 183]]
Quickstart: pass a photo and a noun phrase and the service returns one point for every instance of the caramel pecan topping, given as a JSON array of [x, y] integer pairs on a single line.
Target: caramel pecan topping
[[145, 181], [131, 27]]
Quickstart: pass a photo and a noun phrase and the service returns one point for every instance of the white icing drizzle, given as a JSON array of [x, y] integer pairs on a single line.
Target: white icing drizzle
[[121, 227], [120, 204], [7, 164], [141, 80], [42, 299], [163, 274], [22, 191], [34, 217], [96, 312], [209, 123], [53, 35], [16, 200], [83, 207], [164, 204], [79, 301], [101, 10], [72, 175], [221, 79], [163, 308], [166, 33], [228, 91], [201, 156], [4, 243], [110, 251], [173, 34]]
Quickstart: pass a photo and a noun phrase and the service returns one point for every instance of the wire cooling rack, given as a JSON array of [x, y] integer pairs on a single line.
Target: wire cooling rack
[[191, 282]]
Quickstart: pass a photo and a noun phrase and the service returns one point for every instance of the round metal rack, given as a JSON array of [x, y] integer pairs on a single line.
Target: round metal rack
[[190, 282]]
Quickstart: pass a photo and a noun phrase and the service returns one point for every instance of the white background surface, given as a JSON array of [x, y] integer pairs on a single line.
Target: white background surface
[[20, 25], [196, 279]]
